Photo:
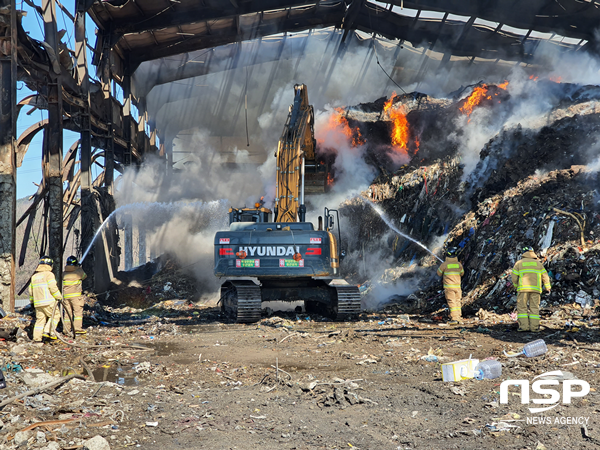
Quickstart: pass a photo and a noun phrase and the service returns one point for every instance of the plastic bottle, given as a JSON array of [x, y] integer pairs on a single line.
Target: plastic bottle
[[488, 369], [535, 348]]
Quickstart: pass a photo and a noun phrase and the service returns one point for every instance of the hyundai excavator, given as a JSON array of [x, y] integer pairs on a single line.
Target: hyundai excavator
[[286, 259]]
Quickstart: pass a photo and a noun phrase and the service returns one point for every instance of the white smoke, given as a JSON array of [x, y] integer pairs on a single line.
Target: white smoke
[[212, 107], [381, 293], [594, 166]]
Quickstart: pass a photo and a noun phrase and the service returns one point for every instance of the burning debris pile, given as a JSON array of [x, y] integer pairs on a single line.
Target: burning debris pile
[[488, 169], [532, 183], [152, 283]]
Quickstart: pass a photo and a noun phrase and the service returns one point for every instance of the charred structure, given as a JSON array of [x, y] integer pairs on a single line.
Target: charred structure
[[147, 94]]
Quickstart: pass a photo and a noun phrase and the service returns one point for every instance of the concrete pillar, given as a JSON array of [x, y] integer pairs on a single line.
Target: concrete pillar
[[142, 244], [88, 213], [53, 143], [169, 152], [128, 238], [8, 164]]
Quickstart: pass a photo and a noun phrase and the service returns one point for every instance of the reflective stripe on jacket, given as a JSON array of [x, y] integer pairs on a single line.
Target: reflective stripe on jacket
[[72, 278], [452, 271], [43, 289], [529, 274]]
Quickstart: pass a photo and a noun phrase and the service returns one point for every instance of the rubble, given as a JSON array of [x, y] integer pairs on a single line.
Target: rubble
[[291, 376], [530, 186], [190, 387], [96, 443]]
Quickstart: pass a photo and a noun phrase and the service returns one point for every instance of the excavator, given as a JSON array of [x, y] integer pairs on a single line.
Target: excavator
[[286, 259]]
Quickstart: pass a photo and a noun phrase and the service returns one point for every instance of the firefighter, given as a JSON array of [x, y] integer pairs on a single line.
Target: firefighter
[[452, 271], [528, 275], [44, 293], [74, 300]]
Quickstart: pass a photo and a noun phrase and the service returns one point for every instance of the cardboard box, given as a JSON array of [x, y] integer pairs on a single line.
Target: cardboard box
[[459, 370]]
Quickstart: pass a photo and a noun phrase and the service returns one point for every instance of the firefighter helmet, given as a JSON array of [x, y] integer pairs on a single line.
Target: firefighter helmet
[[46, 260], [451, 252], [72, 261], [527, 249]]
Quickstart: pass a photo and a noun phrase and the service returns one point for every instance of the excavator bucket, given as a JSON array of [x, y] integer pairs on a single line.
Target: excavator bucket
[[315, 183]]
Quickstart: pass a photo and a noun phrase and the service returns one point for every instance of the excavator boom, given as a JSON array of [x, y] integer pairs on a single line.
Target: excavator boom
[[295, 150]]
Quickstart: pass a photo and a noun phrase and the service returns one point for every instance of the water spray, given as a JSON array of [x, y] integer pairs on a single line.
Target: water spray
[[389, 223], [159, 211]]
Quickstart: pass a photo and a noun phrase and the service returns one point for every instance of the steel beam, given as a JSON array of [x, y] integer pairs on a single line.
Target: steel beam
[[53, 137], [127, 122], [331, 17], [88, 213], [8, 161], [109, 158]]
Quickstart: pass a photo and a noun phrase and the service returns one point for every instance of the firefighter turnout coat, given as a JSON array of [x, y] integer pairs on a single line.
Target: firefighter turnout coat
[[72, 281], [451, 271], [529, 275], [43, 290]]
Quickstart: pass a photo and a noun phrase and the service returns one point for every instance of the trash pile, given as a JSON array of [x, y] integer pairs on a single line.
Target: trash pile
[[149, 284], [530, 187], [532, 213]]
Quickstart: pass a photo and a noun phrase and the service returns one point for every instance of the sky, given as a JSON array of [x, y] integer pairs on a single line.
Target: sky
[[31, 170]]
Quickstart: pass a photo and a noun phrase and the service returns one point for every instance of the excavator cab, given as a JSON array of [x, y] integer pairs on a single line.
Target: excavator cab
[[249, 215], [257, 214]]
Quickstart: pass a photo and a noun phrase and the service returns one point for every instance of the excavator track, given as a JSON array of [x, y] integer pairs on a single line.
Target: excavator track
[[348, 302], [241, 301]]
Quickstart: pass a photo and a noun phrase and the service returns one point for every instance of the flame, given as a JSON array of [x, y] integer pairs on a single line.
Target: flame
[[476, 97], [357, 138], [479, 94], [329, 179], [340, 122], [555, 79], [533, 77], [400, 131]]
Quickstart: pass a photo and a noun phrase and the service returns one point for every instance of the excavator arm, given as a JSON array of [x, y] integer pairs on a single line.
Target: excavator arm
[[296, 149], [290, 259]]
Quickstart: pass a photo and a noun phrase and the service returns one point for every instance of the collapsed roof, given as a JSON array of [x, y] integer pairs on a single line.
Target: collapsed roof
[[498, 29]]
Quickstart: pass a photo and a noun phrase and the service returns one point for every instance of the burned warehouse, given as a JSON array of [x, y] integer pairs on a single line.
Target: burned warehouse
[[299, 224]]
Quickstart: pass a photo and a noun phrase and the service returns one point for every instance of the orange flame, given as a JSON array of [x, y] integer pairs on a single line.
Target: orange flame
[[555, 79], [329, 179], [400, 131], [340, 122], [503, 85], [476, 97], [533, 77]]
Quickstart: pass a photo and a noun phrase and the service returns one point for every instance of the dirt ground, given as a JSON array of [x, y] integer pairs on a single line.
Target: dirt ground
[[366, 384]]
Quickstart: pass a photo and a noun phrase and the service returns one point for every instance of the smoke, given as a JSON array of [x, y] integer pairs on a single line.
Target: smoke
[[534, 102], [180, 211], [193, 246], [224, 124], [594, 166], [474, 132], [381, 293]]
